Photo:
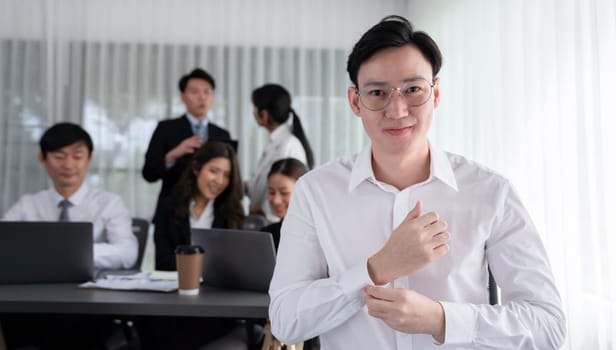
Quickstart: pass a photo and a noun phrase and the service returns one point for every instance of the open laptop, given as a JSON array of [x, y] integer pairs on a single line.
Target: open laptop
[[236, 259], [45, 252]]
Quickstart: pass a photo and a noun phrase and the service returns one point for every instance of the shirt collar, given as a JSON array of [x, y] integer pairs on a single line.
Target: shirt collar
[[194, 121], [75, 198], [440, 168], [362, 168], [280, 133]]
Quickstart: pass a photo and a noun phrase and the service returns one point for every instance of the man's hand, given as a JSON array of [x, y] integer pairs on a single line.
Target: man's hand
[[406, 311], [188, 146], [419, 240]]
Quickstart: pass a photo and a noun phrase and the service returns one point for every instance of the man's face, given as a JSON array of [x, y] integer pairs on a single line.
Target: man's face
[[68, 166], [198, 97], [399, 127]]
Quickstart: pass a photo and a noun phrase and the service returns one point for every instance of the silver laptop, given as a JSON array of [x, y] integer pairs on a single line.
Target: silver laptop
[[45, 252], [236, 259]]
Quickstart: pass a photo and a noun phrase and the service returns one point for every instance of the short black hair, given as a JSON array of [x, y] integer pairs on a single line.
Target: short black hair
[[197, 73], [392, 31], [63, 134]]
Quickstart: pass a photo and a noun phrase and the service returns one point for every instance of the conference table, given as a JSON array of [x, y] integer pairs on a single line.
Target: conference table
[[67, 298]]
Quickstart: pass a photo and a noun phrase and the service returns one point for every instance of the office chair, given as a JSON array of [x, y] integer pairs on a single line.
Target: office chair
[[141, 228], [255, 222], [123, 334]]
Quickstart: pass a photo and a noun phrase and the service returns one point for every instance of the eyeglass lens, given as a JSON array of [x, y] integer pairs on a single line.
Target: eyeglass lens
[[416, 93]]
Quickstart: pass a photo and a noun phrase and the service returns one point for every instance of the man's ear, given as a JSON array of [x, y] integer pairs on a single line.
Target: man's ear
[[437, 91], [41, 158], [353, 98]]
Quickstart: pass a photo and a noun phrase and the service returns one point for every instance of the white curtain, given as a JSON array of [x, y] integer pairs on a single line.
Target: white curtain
[[527, 89]]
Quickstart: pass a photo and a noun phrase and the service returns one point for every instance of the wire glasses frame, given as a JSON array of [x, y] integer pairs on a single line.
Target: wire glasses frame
[[416, 93]]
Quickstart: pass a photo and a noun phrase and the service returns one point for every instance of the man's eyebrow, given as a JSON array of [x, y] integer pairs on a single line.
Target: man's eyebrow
[[374, 83], [404, 81], [414, 78]]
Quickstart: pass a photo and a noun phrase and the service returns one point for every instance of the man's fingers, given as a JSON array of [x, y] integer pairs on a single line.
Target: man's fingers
[[441, 238], [377, 306], [428, 219], [381, 293], [415, 212], [441, 250]]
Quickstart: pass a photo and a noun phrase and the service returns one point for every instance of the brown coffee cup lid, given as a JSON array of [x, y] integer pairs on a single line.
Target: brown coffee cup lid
[[189, 249]]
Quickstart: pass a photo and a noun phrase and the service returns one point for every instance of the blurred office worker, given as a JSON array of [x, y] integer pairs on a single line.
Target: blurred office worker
[[66, 150], [272, 108], [207, 195], [174, 141], [281, 180]]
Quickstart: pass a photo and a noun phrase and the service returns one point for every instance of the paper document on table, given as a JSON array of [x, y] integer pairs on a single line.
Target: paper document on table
[[158, 281]]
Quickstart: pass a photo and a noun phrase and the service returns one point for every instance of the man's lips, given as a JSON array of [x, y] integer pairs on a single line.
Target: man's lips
[[398, 130]]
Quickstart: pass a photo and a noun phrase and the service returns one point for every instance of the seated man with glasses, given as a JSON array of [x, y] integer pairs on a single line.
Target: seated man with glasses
[[389, 249]]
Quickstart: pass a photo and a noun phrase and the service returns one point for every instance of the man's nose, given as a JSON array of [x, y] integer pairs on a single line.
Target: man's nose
[[397, 106]]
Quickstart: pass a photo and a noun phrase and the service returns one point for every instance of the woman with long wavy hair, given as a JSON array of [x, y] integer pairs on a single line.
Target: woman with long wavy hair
[[208, 195]]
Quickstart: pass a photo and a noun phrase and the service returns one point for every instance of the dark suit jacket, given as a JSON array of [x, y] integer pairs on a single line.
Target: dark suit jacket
[[170, 232], [274, 229], [167, 135]]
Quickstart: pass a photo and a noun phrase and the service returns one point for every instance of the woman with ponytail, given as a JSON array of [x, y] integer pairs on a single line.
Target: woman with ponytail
[[272, 108]]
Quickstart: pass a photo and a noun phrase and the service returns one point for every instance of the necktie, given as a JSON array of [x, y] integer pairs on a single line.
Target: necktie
[[64, 205], [197, 130]]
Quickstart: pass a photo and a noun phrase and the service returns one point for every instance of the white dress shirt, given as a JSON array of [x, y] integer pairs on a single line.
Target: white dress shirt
[[340, 215], [206, 218], [115, 245], [282, 144]]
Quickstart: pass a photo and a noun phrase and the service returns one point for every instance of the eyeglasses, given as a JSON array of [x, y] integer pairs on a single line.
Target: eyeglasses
[[415, 92]]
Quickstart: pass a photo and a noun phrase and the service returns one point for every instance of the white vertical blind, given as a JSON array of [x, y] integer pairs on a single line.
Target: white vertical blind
[[528, 88]]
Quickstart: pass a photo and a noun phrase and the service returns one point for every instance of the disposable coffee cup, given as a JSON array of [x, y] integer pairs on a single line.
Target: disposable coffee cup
[[189, 261]]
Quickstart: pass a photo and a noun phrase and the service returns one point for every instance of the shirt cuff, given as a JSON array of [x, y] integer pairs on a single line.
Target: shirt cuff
[[355, 279], [460, 320]]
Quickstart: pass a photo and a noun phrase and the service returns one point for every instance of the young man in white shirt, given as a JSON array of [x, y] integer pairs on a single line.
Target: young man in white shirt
[[389, 249], [66, 150]]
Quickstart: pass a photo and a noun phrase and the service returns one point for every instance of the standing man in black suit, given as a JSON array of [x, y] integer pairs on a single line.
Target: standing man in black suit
[[175, 140]]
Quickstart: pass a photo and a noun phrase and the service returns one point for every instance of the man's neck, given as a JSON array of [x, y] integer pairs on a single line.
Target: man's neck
[[66, 192], [402, 170]]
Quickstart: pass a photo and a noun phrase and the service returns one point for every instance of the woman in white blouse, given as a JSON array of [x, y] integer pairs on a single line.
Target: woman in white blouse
[[272, 108]]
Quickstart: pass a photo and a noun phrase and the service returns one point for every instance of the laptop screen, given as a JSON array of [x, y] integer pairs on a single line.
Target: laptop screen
[[46, 252], [236, 259]]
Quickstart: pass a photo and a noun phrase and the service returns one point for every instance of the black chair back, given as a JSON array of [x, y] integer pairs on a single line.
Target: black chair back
[[255, 222], [141, 228]]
